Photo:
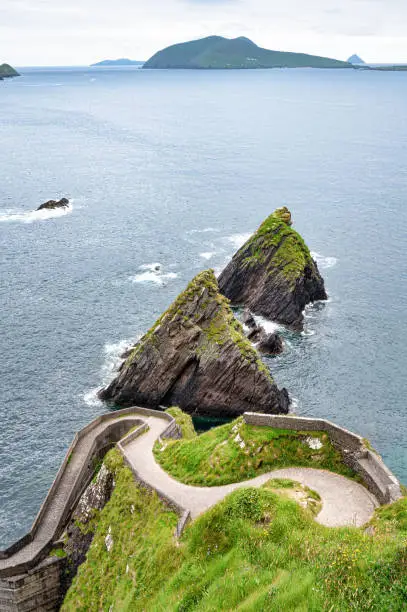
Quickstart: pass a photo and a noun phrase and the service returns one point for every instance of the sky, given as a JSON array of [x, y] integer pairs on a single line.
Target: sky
[[79, 32]]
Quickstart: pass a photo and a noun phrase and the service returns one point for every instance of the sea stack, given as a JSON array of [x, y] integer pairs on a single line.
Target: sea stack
[[197, 357], [273, 274]]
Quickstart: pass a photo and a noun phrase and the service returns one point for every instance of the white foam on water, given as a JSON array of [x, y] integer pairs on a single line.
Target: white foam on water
[[203, 231], [10, 215], [323, 261], [238, 240], [270, 327], [112, 359], [153, 273], [207, 255]]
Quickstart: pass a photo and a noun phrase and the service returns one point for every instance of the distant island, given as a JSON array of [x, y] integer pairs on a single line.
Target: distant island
[[7, 72], [216, 52], [119, 62], [356, 60]]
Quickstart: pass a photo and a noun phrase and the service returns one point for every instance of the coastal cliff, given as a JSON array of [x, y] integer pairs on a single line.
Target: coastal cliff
[[197, 357], [274, 274]]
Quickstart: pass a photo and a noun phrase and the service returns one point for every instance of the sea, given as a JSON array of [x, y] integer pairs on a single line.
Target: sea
[[168, 173]]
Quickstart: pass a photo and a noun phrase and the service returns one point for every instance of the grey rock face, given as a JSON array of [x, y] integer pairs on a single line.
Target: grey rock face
[[197, 357], [273, 274], [51, 204]]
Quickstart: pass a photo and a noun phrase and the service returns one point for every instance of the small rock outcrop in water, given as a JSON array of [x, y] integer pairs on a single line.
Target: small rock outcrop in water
[[51, 204], [273, 273], [269, 344], [197, 357]]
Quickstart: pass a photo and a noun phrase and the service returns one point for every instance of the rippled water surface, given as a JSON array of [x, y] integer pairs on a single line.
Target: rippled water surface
[[176, 168]]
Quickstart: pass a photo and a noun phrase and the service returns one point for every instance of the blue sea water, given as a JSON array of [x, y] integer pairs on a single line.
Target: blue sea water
[[177, 168]]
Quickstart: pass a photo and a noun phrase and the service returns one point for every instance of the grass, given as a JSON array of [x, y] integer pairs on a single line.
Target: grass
[[256, 550], [213, 318], [236, 452], [289, 253], [184, 421]]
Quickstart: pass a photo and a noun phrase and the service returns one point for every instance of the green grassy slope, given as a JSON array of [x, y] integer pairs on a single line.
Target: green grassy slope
[[218, 456], [219, 52], [256, 550]]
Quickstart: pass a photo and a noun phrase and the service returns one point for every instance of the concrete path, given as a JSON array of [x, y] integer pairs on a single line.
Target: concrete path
[[345, 502]]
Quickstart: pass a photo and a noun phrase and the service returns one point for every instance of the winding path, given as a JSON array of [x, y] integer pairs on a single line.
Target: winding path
[[344, 501]]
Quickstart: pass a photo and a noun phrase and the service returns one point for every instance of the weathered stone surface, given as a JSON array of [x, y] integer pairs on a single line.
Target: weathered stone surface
[[51, 204], [270, 344], [273, 274], [80, 531], [197, 357]]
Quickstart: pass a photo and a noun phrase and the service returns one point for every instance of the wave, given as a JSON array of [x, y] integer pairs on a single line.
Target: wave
[[238, 240], [203, 231], [11, 215], [207, 255], [152, 273], [323, 261], [270, 327], [112, 359]]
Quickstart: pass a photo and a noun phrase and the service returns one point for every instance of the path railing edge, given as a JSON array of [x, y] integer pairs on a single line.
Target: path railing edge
[[375, 474], [29, 537]]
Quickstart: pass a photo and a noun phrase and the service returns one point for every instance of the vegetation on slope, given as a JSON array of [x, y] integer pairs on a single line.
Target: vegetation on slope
[[236, 452], [292, 254], [184, 421], [218, 52], [218, 329], [256, 550]]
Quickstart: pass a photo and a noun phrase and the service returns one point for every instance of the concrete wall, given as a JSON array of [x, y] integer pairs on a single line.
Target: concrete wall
[[376, 476]]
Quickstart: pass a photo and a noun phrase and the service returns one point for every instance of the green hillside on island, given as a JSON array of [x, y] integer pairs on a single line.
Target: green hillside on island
[[217, 52], [7, 71]]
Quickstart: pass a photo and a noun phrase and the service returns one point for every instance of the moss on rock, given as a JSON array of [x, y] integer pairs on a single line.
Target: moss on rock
[[197, 356], [274, 273]]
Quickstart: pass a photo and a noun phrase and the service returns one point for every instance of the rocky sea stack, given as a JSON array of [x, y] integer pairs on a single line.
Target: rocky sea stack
[[197, 357], [52, 204], [273, 274]]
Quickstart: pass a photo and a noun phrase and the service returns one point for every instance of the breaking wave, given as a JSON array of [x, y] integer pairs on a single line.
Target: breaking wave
[[112, 359], [324, 262], [207, 255], [152, 273], [31, 216], [238, 240]]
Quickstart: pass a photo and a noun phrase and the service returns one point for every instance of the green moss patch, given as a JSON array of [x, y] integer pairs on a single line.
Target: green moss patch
[[236, 452], [290, 254], [184, 420], [218, 329]]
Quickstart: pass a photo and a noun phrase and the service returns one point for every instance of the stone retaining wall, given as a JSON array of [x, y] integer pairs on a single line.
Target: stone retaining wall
[[376, 476]]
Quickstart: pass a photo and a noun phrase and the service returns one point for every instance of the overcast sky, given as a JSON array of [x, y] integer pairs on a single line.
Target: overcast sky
[[70, 32]]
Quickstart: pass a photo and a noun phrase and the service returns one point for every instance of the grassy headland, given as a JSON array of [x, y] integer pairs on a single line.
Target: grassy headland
[[256, 550], [236, 452]]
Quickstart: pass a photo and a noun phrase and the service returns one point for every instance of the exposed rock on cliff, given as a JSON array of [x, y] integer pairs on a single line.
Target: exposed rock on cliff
[[51, 204], [197, 357], [80, 531], [273, 273]]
